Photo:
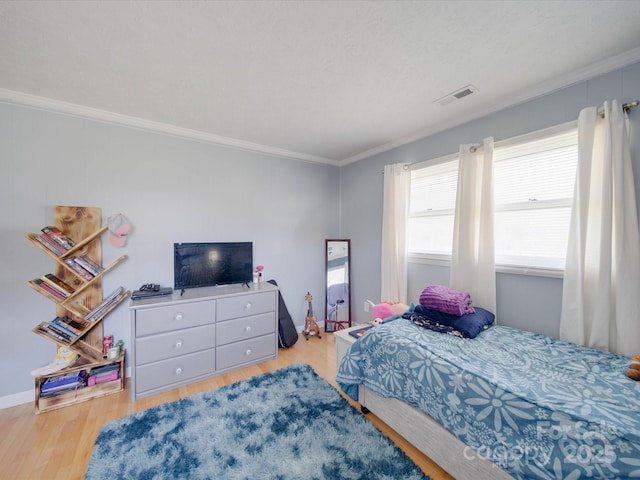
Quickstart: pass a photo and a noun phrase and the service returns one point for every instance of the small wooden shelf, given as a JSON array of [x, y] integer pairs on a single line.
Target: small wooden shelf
[[81, 394], [81, 224]]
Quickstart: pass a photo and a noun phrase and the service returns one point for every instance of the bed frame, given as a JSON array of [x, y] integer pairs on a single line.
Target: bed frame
[[431, 438]]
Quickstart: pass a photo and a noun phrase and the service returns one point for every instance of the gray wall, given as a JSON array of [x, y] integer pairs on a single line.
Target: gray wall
[[172, 190], [528, 302]]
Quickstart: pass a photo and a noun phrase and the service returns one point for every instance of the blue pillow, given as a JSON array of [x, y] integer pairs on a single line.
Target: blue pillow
[[469, 325]]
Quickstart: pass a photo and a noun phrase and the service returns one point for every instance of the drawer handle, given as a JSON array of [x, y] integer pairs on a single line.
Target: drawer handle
[[248, 352], [179, 344], [248, 306], [247, 328], [178, 370], [179, 316]]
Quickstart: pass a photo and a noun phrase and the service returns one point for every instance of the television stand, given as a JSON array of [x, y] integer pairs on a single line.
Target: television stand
[[176, 341], [182, 291], [246, 283]]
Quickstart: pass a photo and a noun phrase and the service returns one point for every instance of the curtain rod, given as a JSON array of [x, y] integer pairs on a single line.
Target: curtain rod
[[625, 107]]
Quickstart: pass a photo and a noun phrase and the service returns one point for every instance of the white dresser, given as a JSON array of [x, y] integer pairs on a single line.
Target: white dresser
[[205, 332]]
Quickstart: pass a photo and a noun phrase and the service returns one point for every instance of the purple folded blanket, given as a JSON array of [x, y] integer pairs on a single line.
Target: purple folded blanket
[[447, 300]]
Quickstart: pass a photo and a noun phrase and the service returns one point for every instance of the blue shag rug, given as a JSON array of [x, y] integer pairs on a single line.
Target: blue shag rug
[[286, 424]]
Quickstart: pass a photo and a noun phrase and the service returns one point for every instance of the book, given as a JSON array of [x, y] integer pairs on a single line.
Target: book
[[104, 370], [78, 324], [44, 328], [76, 267], [52, 241], [67, 335], [106, 377], [89, 265], [361, 332], [57, 382], [47, 288], [65, 327], [56, 235], [49, 245], [52, 286], [107, 303], [58, 284]]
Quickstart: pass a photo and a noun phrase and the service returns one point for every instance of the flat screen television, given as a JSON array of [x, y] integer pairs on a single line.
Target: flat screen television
[[208, 264]]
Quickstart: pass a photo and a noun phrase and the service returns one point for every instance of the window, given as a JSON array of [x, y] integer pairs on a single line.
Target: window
[[534, 177]]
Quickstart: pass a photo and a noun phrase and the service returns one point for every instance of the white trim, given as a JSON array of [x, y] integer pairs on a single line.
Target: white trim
[[16, 399], [430, 259], [617, 61], [531, 271], [57, 106], [605, 66], [434, 161], [507, 142], [445, 261]]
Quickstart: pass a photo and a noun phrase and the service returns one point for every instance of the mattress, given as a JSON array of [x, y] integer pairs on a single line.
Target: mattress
[[533, 405]]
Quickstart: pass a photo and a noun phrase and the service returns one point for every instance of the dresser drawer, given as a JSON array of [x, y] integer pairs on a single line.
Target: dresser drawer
[[243, 305], [174, 370], [173, 317], [246, 351], [173, 344], [244, 328]]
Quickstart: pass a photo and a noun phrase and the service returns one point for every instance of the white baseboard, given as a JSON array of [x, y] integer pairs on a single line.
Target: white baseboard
[[21, 398], [17, 399]]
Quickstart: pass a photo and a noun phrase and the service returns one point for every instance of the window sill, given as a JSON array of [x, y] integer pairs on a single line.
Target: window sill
[[445, 261]]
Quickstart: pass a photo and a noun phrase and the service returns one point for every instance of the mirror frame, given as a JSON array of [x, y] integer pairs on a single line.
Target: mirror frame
[[339, 325]]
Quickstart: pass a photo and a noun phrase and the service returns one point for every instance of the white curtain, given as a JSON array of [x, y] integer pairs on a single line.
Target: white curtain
[[601, 292], [395, 212], [473, 256]]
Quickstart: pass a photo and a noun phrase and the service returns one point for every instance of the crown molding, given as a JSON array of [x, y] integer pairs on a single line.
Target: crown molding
[[57, 106], [557, 83], [544, 88]]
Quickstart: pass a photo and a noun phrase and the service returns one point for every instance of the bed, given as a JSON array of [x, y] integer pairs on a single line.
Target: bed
[[507, 403]]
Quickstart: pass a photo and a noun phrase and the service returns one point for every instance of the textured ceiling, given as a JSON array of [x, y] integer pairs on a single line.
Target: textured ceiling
[[330, 81]]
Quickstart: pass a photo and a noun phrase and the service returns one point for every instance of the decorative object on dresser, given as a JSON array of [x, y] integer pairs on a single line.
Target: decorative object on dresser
[[311, 327], [243, 431], [200, 333], [76, 288]]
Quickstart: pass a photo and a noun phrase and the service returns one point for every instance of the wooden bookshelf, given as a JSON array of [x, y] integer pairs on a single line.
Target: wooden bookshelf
[[83, 226]]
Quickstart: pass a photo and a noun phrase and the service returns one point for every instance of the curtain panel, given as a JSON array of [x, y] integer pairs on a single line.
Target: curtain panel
[[473, 255], [601, 291], [395, 214]]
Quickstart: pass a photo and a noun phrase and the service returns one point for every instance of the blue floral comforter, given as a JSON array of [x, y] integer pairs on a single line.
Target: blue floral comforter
[[536, 406]]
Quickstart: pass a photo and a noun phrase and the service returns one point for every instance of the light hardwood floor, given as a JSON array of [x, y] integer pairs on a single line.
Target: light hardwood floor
[[58, 444]]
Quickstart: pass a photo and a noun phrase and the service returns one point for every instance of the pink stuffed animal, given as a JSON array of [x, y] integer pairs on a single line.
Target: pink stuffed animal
[[384, 310]]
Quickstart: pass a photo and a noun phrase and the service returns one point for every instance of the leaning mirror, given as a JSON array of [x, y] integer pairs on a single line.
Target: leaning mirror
[[338, 292]]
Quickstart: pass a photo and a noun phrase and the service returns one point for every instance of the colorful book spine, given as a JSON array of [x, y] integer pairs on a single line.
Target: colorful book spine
[[77, 326], [57, 382], [58, 284], [49, 245], [90, 266], [76, 267], [47, 288], [107, 303], [53, 286], [44, 328], [57, 236], [58, 324], [52, 327]]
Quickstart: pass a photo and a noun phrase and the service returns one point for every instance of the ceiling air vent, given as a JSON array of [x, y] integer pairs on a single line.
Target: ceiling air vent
[[457, 95]]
